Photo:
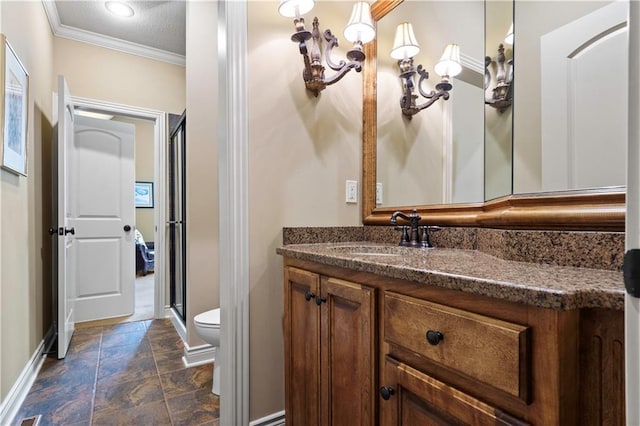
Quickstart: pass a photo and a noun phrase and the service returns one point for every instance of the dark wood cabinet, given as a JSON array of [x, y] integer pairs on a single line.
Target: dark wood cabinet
[[414, 398], [361, 349], [302, 348], [330, 351]]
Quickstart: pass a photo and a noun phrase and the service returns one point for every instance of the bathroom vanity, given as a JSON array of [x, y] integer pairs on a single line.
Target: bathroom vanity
[[381, 334]]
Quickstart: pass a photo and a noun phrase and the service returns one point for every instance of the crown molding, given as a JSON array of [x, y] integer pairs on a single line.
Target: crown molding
[[108, 42], [472, 63]]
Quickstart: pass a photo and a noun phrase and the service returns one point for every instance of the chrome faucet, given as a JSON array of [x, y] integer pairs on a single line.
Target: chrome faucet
[[411, 235]]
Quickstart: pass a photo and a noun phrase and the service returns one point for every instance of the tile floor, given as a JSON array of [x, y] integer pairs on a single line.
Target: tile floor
[[123, 374]]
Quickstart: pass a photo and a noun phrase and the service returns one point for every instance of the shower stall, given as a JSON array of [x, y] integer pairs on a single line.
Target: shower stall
[[177, 217]]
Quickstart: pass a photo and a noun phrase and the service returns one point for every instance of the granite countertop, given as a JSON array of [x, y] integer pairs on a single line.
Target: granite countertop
[[547, 286]]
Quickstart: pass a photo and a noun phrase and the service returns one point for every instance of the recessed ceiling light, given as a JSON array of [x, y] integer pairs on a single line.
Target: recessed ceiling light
[[119, 9]]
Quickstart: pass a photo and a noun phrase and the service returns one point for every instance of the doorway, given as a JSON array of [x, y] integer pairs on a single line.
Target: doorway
[[144, 218], [158, 154]]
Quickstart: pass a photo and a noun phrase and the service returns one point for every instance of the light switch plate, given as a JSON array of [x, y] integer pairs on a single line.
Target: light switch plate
[[378, 193], [351, 191]]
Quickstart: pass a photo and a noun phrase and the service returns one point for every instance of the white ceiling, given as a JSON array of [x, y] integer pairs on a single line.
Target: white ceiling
[[157, 29]]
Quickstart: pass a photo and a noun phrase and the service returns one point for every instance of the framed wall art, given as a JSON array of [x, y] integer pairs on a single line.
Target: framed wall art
[[144, 195], [14, 88]]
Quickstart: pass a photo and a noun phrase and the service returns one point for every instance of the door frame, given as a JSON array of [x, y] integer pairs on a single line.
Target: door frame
[[632, 225], [159, 156], [233, 220]]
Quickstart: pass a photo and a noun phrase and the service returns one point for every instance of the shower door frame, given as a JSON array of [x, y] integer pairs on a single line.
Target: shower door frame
[[176, 218]]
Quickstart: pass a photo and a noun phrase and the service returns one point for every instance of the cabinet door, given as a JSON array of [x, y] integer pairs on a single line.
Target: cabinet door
[[302, 348], [348, 358], [412, 398]]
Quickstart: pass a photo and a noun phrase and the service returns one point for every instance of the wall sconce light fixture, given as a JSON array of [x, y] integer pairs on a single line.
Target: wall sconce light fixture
[[502, 93], [405, 47], [359, 30]]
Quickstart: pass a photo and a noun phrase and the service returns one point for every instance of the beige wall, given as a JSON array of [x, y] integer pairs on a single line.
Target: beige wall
[[202, 162], [108, 75], [24, 318], [144, 170], [301, 151]]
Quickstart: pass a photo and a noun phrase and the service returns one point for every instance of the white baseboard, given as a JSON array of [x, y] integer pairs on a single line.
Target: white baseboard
[[275, 419], [168, 312], [193, 356], [198, 355], [18, 392]]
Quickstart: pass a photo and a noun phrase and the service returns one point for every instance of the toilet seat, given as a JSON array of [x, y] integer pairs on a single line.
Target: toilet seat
[[208, 319]]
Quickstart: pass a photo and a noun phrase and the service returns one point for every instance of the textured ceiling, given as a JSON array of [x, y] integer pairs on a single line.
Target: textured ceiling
[[159, 25]]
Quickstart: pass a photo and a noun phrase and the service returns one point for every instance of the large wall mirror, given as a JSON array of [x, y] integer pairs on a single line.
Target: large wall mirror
[[498, 107], [436, 155], [458, 172], [570, 133]]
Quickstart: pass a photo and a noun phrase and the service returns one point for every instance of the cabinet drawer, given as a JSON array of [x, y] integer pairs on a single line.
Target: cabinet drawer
[[492, 351], [415, 398]]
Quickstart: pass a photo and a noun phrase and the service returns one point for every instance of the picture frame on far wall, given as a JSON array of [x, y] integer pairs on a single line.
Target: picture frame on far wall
[[14, 97], [144, 195]]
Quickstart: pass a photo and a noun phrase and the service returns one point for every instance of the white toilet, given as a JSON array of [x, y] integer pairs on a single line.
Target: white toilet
[[208, 328]]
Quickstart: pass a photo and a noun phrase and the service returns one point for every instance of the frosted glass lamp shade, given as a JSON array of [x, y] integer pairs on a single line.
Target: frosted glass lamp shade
[[509, 37], [449, 63], [360, 27], [405, 45], [294, 8]]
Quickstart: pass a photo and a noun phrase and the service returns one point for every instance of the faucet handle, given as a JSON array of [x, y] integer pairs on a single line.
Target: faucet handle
[[424, 238], [404, 239]]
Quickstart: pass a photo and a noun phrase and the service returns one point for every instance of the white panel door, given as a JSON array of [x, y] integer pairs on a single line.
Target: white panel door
[[66, 289], [584, 101], [102, 175]]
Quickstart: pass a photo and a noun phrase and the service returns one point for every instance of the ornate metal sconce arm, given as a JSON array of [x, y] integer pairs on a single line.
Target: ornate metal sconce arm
[[313, 73], [424, 75], [342, 67], [502, 96], [305, 57], [408, 99]]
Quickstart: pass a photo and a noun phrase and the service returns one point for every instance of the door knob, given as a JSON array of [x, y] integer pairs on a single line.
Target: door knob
[[127, 228], [53, 231], [71, 231], [386, 392]]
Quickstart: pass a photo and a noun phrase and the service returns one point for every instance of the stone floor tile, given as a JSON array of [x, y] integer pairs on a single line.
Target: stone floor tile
[[187, 380], [116, 395]]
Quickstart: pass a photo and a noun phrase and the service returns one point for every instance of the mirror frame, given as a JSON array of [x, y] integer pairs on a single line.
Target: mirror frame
[[600, 209]]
